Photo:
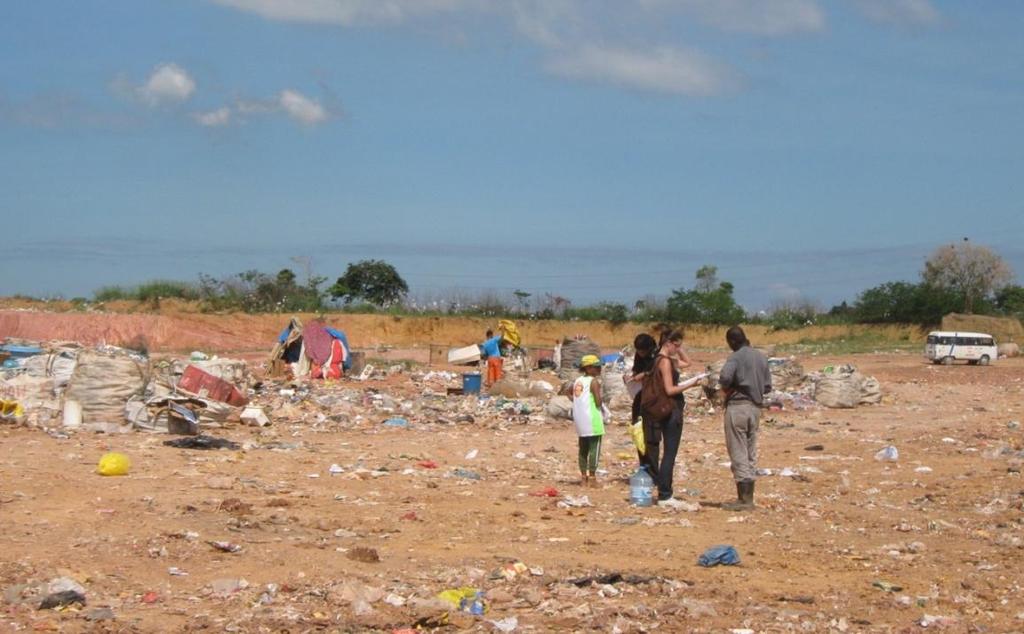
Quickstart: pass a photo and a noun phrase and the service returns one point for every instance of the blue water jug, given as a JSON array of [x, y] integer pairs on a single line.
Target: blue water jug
[[640, 484]]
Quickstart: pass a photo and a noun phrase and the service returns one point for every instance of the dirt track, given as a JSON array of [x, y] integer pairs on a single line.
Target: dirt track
[[950, 536]]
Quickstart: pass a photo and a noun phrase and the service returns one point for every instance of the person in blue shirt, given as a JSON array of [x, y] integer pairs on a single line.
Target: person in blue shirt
[[491, 350]]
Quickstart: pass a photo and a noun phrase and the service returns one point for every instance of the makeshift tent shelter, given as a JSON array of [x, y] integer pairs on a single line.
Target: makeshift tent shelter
[[316, 350]]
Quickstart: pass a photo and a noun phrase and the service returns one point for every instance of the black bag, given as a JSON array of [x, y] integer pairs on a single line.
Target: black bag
[[654, 401]]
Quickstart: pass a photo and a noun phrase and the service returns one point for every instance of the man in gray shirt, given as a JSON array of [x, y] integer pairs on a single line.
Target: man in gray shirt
[[745, 379]]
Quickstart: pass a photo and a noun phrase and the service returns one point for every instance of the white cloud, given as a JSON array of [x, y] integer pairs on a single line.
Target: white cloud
[[663, 69], [574, 33], [168, 83], [214, 118], [760, 17], [347, 12], [301, 108], [290, 103], [546, 22], [914, 12]]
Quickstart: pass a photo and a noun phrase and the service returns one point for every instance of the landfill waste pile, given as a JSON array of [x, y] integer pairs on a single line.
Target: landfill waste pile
[[835, 386], [389, 502]]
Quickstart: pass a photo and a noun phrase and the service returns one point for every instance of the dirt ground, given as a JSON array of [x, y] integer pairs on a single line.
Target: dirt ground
[[850, 544]]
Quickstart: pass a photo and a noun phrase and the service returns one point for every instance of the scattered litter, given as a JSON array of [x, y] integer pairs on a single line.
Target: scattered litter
[[511, 571], [226, 547], [62, 599], [929, 620], [255, 416], [574, 501], [396, 421], [466, 474], [227, 587], [887, 586], [609, 579], [471, 454], [546, 492], [507, 624], [888, 454], [202, 442], [465, 599]]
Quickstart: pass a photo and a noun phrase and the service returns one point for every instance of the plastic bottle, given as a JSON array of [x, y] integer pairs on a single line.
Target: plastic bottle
[[476, 605], [640, 484]]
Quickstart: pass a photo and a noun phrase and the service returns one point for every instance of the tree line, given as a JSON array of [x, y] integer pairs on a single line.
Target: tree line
[[960, 277]]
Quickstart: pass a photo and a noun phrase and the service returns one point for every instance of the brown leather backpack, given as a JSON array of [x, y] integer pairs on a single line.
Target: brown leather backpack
[[654, 401]]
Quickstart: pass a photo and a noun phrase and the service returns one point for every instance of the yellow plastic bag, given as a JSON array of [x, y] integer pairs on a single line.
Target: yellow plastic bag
[[114, 464], [11, 410], [509, 332], [636, 432], [465, 599]]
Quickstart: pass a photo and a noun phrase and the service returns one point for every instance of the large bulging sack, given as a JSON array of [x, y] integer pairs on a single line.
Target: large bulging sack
[[786, 374], [614, 392], [102, 383], [572, 352], [1009, 349], [870, 391], [559, 407], [839, 391]]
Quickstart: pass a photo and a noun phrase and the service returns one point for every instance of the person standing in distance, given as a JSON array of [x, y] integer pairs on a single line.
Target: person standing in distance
[[744, 379], [491, 351]]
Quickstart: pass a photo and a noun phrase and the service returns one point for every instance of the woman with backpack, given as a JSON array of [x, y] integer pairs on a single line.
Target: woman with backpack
[[662, 404]]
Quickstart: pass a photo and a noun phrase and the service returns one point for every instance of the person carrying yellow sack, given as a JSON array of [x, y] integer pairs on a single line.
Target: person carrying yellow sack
[[588, 417]]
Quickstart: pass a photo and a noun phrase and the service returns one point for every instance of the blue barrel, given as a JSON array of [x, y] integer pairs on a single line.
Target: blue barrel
[[471, 383]]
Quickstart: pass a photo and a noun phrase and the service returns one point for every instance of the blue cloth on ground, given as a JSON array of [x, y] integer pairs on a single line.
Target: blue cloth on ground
[[721, 554]]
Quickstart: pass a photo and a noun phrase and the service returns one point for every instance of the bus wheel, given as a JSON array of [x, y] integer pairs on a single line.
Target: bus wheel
[[984, 359], [947, 360]]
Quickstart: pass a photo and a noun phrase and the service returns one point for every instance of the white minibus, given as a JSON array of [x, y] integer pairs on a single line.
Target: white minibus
[[973, 347]]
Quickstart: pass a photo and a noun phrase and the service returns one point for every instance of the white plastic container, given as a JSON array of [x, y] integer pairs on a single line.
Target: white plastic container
[[459, 356]]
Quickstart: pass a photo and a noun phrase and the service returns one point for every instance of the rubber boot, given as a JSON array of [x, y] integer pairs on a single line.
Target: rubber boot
[[738, 505], [745, 495], [748, 493]]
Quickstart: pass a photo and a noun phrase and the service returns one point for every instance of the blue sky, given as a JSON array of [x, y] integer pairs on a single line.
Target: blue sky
[[601, 149]]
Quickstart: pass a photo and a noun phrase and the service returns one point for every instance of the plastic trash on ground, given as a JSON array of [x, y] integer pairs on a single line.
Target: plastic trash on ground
[[888, 454]]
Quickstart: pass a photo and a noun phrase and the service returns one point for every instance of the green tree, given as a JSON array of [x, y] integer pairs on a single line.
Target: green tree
[[709, 302], [905, 303], [374, 281], [1010, 300], [973, 272]]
